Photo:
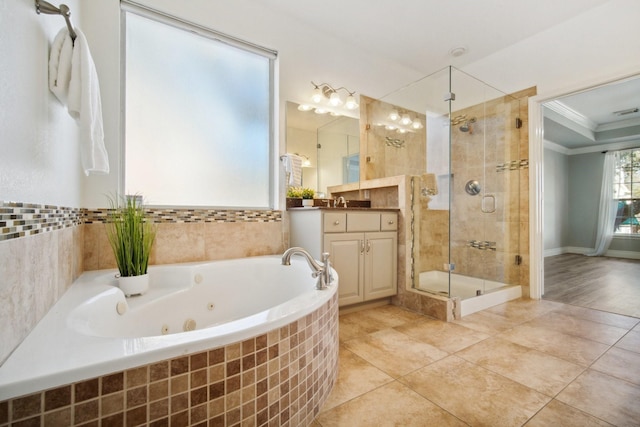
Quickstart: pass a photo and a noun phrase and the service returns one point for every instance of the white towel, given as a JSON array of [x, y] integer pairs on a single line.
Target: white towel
[[293, 167], [74, 81]]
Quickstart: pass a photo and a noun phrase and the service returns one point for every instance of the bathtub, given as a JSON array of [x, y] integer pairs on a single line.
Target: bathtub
[[466, 289], [241, 306]]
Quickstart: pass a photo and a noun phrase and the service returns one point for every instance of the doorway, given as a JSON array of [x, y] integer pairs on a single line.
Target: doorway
[[571, 132]]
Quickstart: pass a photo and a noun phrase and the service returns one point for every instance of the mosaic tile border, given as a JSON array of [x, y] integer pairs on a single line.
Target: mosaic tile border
[[513, 165], [26, 219], [19, 219], [280, 378], [175, 215]]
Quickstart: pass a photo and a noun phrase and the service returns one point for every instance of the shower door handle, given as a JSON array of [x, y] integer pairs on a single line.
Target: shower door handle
[[490, 209]]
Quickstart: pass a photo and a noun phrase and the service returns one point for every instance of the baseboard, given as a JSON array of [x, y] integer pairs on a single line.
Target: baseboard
[[554, 252], [582, 251], [623, 254]]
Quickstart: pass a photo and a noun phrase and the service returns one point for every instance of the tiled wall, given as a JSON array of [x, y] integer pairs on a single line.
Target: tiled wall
[[186, 235], [380, 159], [40, 256], [280, 378], [43, 249], [496, 154]]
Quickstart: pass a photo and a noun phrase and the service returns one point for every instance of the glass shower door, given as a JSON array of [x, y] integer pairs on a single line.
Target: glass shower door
[[485, 188], [465, 174]]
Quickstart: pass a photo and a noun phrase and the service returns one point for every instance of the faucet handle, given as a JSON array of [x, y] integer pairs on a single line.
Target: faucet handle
[[327, 268]]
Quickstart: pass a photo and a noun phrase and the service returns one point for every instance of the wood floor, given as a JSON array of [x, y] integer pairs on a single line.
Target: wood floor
[[601, 283]]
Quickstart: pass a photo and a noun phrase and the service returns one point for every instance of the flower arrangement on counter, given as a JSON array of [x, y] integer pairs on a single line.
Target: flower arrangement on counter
[[300, 193]]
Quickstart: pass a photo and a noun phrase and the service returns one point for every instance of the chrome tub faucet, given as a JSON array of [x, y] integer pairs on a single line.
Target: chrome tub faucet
[[321, 271]]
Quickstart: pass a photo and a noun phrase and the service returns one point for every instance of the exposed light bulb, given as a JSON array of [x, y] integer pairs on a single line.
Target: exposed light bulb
[[316, 95], [334, 99], [305, 107], [390, 127], [401, 130], [351, 103], [321, 111], [417, 124], [394, 115], [405, 120], [306, 163]]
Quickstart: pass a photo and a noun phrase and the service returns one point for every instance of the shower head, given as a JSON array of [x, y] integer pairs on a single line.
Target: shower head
[[465, 126]]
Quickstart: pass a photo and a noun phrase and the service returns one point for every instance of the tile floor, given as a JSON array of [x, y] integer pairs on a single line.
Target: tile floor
[[533, 363]]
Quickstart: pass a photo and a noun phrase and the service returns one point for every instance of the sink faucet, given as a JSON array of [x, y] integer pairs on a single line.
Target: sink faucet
[[321, 271], [336, 202]]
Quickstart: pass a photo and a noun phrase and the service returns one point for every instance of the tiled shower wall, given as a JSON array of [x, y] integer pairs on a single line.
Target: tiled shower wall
[[503, 171], [43, 249]]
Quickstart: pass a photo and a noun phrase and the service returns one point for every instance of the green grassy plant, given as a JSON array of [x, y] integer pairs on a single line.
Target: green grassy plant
[[130, 235]]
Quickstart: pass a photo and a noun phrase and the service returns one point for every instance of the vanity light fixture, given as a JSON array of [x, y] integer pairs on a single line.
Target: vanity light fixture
[[316, 95], [405, 120], [394, 115], [334, 99], [305, 107], [351, 103], [325, 92], [417, 124]]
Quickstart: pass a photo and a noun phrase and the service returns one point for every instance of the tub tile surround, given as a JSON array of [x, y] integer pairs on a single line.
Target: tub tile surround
[[44, 249], [279, 378], [36, 270]]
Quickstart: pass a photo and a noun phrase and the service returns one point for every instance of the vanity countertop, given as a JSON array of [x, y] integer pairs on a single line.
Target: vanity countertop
[[355, 208]]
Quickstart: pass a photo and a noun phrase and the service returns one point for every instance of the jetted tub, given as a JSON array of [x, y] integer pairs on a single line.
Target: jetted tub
[[93, 330]]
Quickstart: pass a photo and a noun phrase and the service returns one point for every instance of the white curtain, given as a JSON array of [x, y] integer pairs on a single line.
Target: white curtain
[[608, 206]]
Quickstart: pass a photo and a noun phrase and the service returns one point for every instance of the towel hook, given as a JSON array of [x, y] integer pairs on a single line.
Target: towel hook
[[47, 8]]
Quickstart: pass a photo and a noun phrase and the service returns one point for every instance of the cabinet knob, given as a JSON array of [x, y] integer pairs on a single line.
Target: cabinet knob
[[336, 222], [390, 221]]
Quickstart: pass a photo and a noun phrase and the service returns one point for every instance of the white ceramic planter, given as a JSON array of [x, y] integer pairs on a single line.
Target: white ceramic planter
[[307, 203], [134, 285]]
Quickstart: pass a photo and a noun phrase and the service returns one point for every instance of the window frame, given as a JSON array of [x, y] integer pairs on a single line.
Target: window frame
[[126, 7], [625, 235]]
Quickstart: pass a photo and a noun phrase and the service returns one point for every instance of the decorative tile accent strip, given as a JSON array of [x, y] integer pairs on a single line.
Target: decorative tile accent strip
[[281, 378], [26, 219], [483, 245], [513, 165], [171, 215]]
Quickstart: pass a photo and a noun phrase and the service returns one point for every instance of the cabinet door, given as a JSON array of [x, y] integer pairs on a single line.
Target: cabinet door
[[347, 255], [381, 254]]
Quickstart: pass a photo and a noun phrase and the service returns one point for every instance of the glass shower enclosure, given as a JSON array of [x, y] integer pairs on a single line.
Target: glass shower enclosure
[[465, 202]]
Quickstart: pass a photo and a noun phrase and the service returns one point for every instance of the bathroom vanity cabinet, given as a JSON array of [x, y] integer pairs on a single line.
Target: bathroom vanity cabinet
[[363, 245]]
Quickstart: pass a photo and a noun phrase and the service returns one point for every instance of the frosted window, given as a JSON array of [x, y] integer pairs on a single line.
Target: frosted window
[[198, 119]]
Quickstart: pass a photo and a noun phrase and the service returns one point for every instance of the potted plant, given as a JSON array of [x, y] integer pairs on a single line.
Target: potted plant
[[130, 235], [294, 197], [307, 196], [294, 192]]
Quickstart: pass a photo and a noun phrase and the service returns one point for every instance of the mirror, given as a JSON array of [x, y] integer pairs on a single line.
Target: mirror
[[329, 145]]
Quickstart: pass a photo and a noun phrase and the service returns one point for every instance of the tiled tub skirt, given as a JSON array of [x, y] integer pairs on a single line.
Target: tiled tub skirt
[[280, 378]]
